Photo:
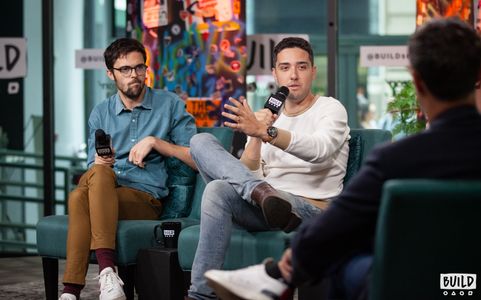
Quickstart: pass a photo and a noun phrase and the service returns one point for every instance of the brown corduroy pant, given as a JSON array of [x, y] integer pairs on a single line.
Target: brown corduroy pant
[[95, 207]]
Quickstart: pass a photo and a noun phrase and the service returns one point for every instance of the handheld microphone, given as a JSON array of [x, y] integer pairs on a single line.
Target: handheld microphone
[[275, 101], [103, 143]]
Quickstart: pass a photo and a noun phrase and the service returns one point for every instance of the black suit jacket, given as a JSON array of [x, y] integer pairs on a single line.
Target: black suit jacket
[[449, 149]]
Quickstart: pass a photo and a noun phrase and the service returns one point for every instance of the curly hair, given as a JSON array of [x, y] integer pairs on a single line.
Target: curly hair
[[293, 42]]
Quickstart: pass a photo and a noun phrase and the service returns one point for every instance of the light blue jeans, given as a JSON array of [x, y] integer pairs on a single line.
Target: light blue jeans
[[226, 202]]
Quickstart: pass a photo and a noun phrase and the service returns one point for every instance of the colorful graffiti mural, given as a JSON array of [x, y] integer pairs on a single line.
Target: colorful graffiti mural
[[428, 9], [196, 48]]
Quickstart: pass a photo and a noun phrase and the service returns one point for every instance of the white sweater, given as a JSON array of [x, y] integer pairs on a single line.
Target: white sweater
[[314, 163]]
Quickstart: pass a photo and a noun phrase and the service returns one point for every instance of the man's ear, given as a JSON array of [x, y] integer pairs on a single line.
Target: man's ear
[[110, 75]]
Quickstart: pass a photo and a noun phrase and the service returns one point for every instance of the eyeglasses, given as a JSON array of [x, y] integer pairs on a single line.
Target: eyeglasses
[[126, 71]]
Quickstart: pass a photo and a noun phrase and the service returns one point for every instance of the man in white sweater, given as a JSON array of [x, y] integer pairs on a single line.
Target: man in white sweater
[[292, 165]]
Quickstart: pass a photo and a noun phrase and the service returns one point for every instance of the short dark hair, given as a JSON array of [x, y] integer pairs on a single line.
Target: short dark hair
[[446, 53], [122, 47], [293, 42]]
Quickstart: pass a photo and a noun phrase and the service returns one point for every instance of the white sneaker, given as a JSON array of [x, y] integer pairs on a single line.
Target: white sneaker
[[67, 296], [110, 285], [251, 283]]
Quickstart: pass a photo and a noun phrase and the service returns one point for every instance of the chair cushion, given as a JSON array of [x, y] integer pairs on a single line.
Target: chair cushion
[[52, 236], [246, 248], [181, 181], [131, 236]]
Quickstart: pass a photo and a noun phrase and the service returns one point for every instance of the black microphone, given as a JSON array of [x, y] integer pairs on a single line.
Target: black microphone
[[275, 101], [103, 143]]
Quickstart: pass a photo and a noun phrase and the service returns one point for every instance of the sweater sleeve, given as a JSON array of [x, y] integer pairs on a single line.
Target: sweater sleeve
[[330, 134]]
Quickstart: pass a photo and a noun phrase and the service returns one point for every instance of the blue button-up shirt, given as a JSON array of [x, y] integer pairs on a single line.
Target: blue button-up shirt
[[162, 114]]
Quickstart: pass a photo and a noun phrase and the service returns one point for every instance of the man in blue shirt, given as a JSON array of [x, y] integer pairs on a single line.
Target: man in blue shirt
[[146, 126]]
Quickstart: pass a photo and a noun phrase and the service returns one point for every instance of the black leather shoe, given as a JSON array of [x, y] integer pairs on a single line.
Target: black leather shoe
[[277, 211]]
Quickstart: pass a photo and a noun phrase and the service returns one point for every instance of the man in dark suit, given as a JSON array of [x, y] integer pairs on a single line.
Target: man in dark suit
[[445, 58]]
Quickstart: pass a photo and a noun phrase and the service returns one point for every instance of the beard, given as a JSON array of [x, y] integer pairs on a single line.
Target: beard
[[134, 92], [130, 90]]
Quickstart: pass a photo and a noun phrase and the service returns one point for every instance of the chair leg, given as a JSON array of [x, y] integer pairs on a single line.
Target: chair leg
[[127, 274], [50, 277], [187, 275]]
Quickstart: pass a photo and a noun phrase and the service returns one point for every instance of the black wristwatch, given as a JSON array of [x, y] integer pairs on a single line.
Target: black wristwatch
[[272, 132]]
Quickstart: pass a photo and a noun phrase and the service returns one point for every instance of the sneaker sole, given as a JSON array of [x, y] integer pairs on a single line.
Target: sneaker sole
[[118, 298], [224, 293]]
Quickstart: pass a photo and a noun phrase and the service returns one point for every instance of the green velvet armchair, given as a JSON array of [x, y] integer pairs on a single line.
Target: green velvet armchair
[[427, 235], [131, 235], [248, 248]]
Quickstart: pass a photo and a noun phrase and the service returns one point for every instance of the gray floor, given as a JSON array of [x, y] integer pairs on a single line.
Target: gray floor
[[20, 269], [22, 278]]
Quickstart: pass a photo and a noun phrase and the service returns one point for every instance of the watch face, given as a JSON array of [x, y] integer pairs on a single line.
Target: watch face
[[272, 132]]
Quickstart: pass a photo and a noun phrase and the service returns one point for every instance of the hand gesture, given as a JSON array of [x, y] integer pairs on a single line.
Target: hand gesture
[[245, 120], [140, 150], [265, 116]]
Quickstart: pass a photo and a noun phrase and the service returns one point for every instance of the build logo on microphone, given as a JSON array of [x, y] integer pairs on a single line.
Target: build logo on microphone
[[458, 284]]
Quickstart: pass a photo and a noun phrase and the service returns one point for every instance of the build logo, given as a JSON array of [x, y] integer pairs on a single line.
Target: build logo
[[171, 233], [458, 284]]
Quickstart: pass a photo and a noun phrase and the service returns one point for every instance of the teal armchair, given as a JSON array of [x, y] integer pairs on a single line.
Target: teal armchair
[[248, 248], [131, 235], [427, 228]]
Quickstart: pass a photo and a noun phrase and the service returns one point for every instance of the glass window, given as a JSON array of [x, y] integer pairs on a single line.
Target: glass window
[[77, 25], [366, 91], [287, 17], [363, 22]]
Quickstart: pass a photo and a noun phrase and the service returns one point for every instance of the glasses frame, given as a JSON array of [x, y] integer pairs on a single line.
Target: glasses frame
[[131, 69]]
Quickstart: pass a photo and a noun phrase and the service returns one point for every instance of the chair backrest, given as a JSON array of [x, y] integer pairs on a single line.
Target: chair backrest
[[426, 228], [184, 186], [361, 143]]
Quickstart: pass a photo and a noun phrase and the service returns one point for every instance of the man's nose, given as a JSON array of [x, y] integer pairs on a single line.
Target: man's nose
[[294, 73]]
